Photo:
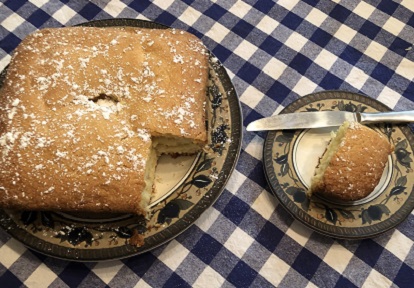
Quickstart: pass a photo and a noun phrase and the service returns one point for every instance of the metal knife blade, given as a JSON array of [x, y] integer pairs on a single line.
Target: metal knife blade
[[304, 120]]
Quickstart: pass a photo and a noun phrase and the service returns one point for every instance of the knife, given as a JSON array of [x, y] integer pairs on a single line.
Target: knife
[[304, 120]]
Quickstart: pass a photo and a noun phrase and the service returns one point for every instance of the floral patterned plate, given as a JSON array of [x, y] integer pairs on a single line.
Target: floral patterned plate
[[185, 187], [291, 156]]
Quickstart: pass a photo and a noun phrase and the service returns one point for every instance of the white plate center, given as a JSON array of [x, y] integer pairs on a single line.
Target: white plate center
[[170, 173]]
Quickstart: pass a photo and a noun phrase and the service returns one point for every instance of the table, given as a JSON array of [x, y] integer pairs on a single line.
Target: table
[[274, 53]]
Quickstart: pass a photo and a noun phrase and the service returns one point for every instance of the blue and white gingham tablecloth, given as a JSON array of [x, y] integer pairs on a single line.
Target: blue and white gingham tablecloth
[[275, 52]]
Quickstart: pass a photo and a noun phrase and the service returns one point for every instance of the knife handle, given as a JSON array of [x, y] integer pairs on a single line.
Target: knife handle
[[391, 117]]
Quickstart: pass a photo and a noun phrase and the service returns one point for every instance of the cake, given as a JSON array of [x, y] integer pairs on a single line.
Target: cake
[[352, 164], [86, 112]]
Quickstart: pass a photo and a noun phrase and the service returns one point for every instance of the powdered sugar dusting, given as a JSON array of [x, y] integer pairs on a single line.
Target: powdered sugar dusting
[[144, 134]]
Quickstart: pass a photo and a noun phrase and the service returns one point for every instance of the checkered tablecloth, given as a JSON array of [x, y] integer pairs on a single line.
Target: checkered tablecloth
[[275, 52]]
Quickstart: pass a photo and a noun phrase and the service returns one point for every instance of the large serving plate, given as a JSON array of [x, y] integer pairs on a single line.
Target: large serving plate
[[291, 156], [185, 187]]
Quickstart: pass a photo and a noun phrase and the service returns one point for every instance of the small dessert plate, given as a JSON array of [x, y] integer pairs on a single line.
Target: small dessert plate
[[291, 156]]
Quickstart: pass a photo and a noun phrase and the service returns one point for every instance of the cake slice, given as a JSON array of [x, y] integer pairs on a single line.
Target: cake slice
[[352, 164]]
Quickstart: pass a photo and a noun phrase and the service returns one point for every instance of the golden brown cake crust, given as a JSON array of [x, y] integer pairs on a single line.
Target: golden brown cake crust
[[79, 107], [357, 166]]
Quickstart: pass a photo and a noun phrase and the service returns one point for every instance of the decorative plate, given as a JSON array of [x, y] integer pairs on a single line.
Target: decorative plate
[[185, 187], [291, 156]]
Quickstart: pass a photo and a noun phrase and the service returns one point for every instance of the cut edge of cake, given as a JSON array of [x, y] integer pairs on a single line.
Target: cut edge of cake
[[332, 147]]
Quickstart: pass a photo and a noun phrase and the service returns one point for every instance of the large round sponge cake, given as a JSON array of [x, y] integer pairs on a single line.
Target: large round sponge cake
[[352, 164], [81, 111]]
